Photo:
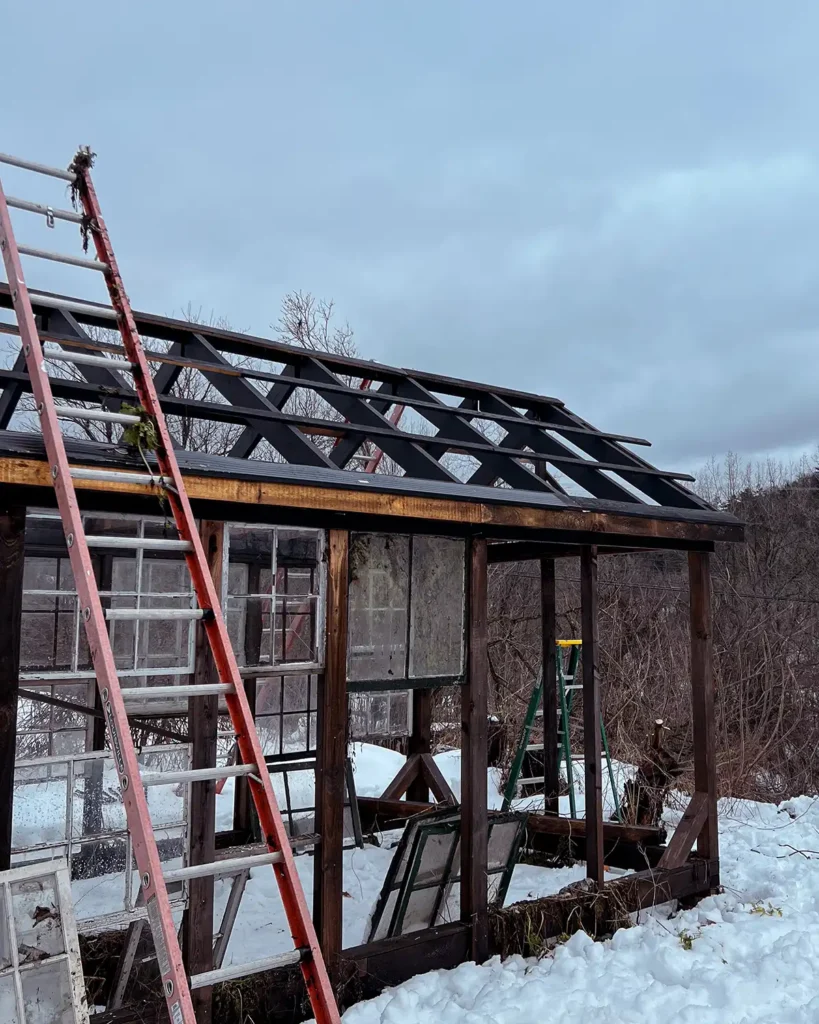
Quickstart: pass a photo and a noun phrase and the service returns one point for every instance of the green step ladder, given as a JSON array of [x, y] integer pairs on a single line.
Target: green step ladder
[[567, 685]]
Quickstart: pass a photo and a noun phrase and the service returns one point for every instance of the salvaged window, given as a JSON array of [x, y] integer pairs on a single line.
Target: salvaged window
[[406, 626], [273, 600], [71, 807], [422, 886], [406, 610], [41, 979], [54, 657]]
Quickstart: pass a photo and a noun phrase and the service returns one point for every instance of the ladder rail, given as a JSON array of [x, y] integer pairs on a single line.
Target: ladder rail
[[133, 795], [273, 830]]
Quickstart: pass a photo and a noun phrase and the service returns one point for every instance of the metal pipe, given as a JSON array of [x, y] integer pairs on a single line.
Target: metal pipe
[[156, 614], [227, 771], [221, 867], [139, 693], [45, 211], [116, 477], [68, 412], [145, 543], [270, 963], [30, 165], [88, 360], [58, 257]]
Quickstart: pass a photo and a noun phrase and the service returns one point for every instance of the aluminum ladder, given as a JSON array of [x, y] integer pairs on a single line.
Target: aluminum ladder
[[567, 684], [115, 699]]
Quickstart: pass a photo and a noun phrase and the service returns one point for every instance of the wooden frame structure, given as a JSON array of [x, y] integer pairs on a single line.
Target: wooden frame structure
[[517, 501]]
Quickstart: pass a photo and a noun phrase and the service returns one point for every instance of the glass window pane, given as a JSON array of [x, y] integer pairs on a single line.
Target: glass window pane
[[8, 1001], [37, 920], [379, 591], [437, 613], [47, 995]]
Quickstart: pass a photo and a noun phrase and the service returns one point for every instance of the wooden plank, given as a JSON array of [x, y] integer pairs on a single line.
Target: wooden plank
[[332, 754], [28, 472], [125, 964], [702, 683], [474, 755], [409, 771], [686, 832], [12, 540], [391, 961], [437, 783], [197, 922], [613, 831], [548, 635], [420, 741], [237, 889], [591, 716]]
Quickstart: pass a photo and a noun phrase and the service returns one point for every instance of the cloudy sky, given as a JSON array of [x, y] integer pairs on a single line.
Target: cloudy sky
[[617, 204]]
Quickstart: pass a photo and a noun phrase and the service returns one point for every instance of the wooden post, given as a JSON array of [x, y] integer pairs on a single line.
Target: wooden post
[[12, 538], [548, 618], [420, 742], [474, 755], [203, 714], [331, 756], [592, 740], [702, 682]]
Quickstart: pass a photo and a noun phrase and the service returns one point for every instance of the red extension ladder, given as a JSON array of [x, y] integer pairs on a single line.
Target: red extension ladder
[[177, 987]]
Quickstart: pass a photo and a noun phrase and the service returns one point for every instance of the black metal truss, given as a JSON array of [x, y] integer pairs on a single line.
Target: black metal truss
[[535, 433]]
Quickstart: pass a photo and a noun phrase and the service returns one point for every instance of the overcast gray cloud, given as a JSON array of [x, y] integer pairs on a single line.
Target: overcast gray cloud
[[617, 204]]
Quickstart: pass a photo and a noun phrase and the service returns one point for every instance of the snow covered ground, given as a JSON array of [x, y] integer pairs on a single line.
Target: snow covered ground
[[747, 956]]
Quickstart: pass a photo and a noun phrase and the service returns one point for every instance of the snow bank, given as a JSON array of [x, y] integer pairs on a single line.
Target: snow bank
[[748, 956]]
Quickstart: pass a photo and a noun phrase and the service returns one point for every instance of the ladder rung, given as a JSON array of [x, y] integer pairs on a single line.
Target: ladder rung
[[573, 686], [134, 614], [45, 211], [68, 412], [117, 477], [221, 867], [535, 747], [536, 779], [86, 360], [29, 165], [58, 257], [270, 963], [228, 771], [56, 302], [144, 543], [140, 693]]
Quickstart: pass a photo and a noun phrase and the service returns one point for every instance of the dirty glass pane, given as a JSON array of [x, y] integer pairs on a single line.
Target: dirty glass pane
[[501, 840], [98, 877], [37, 921], [420, 910], [379, 591], [437, 610], [39, 808], [47, 994], [8, 1001]]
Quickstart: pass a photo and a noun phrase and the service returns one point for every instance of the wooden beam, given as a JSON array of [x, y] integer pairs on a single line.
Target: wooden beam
[[420, 741], [591, 715], [474, 755], [331, 754], [575, 828], [28, 472], [12, 539], [548, 620], [702, 682], [197, 927], [686, 832], [530, 550]]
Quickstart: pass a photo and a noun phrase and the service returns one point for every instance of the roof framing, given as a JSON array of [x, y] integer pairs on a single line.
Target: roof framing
[[534, 437]]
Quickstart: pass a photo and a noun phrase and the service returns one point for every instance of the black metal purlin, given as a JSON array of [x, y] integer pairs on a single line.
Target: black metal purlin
[[285, 438], [535, 426], [410, 456], [447, 420]]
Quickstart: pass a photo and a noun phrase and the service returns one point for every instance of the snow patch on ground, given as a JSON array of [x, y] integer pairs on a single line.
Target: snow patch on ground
[[747, 956]]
